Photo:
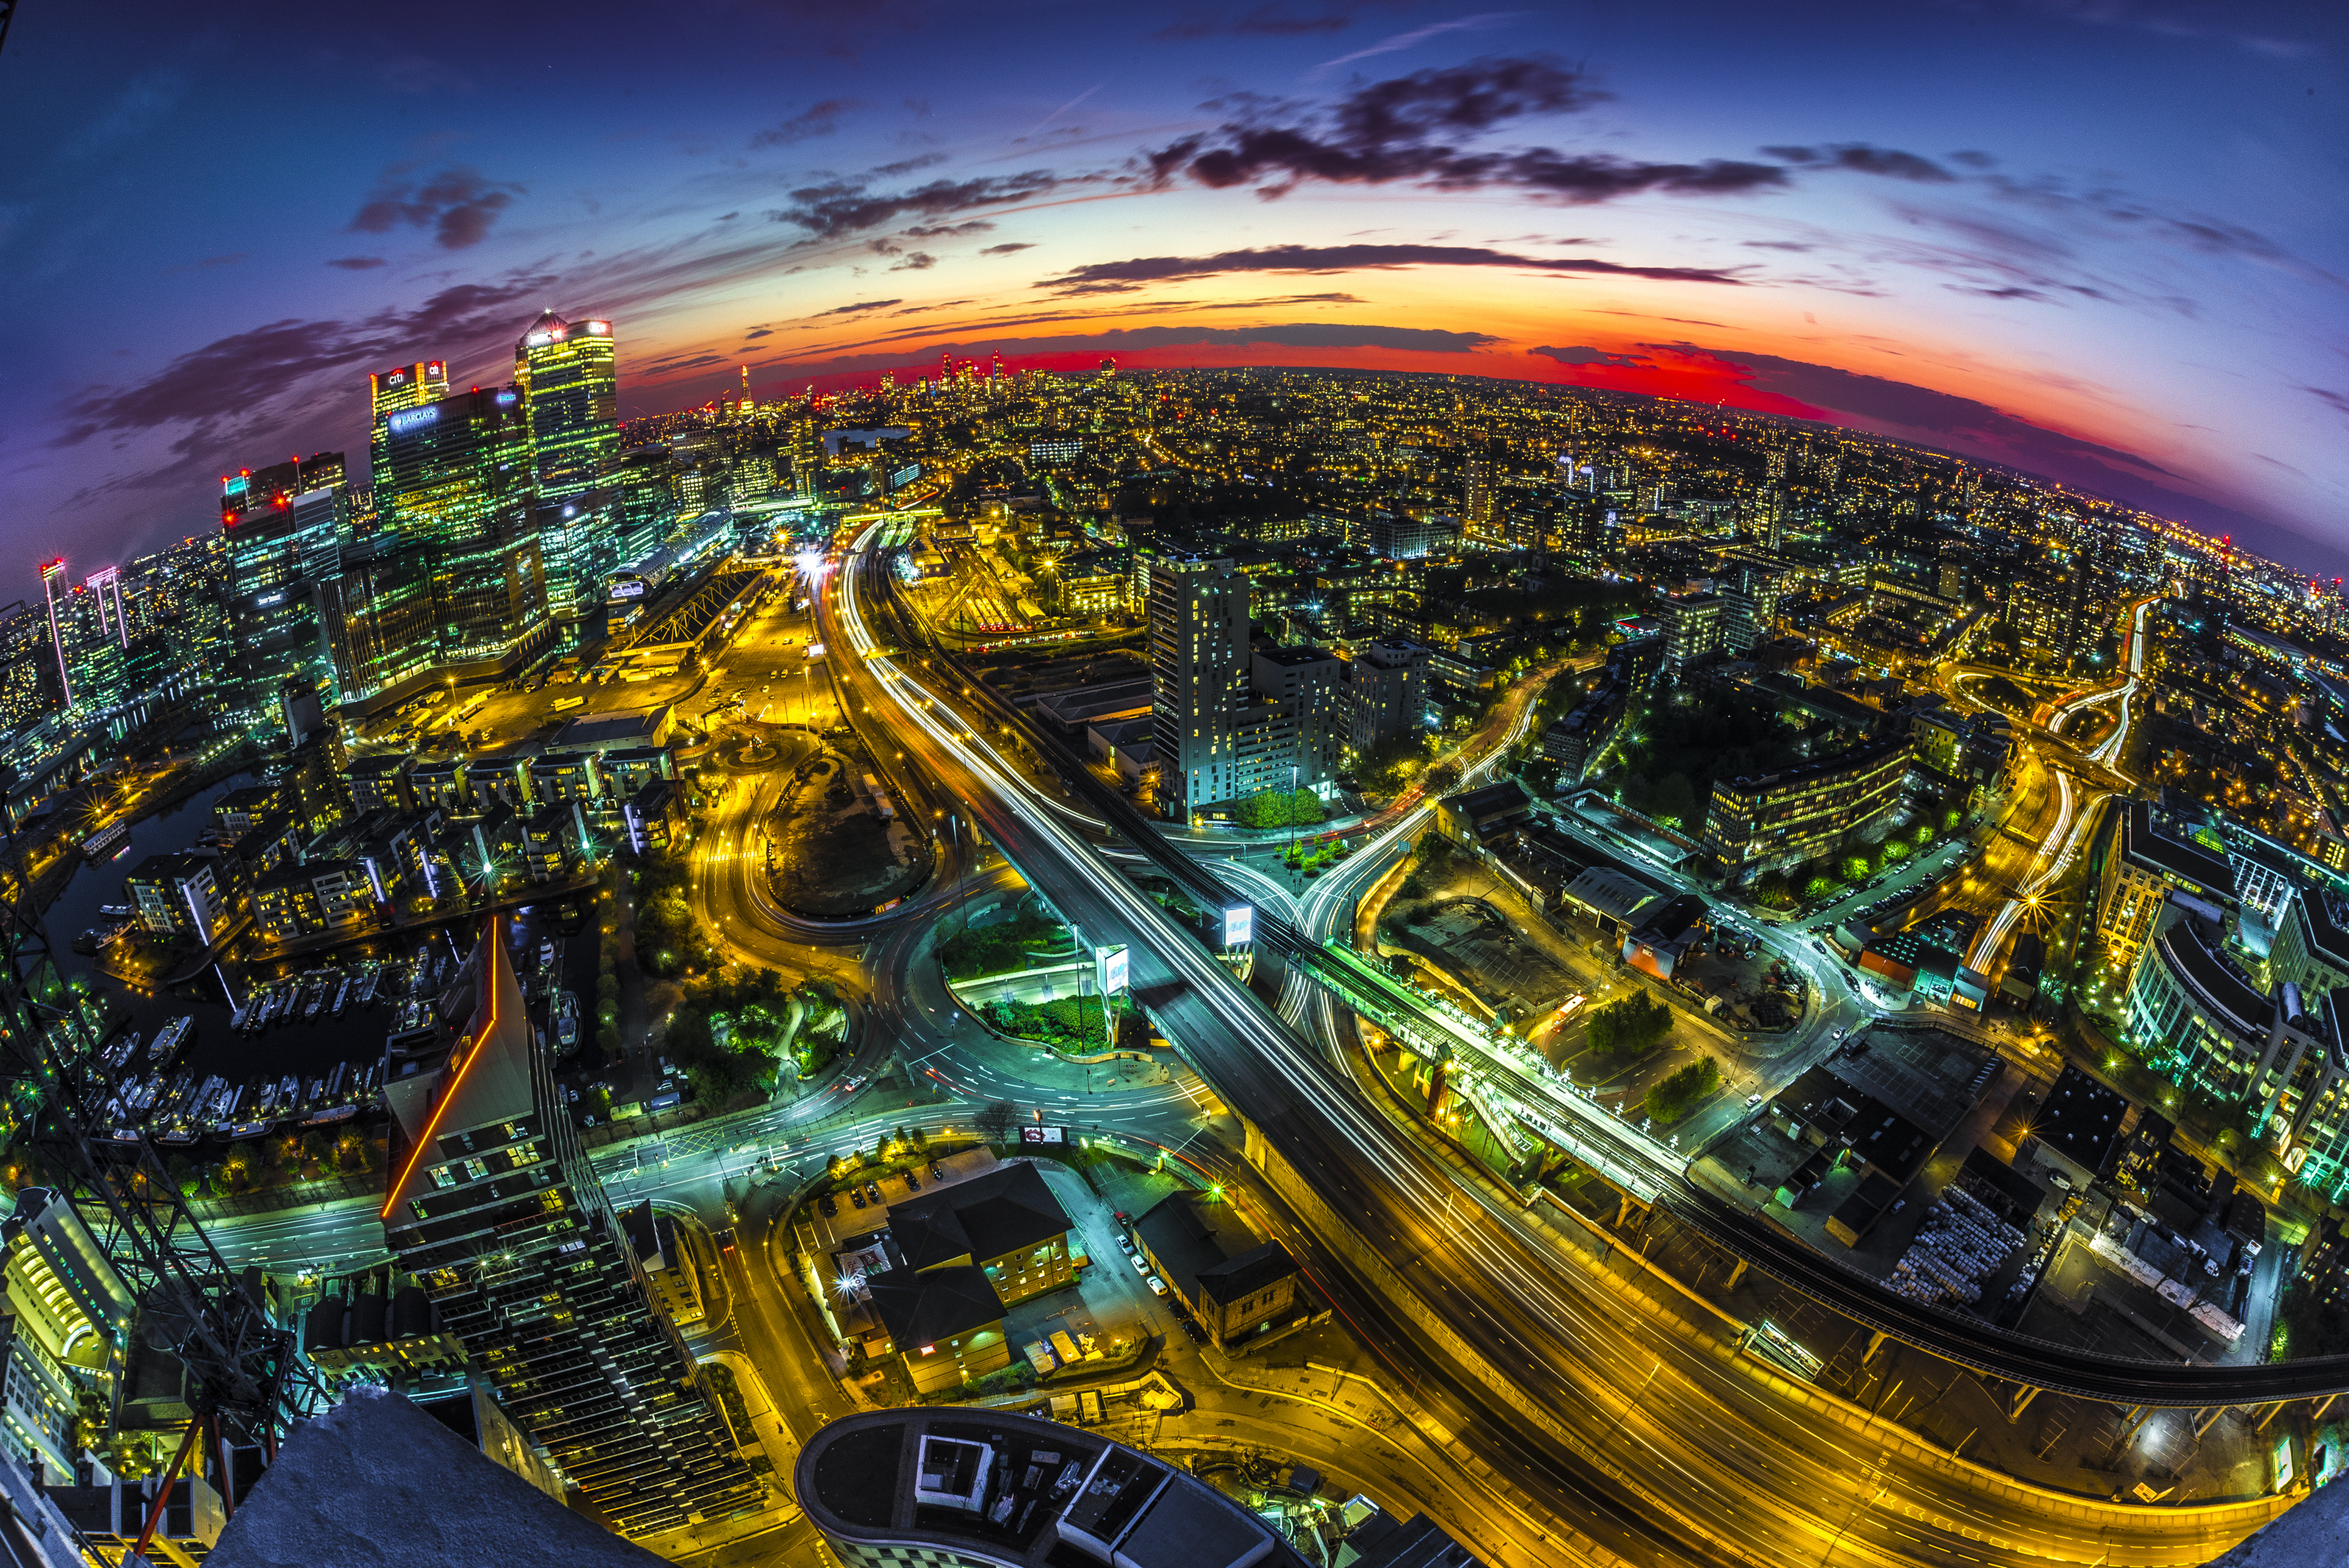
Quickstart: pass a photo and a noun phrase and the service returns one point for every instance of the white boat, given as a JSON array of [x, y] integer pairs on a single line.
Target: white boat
[[171, 1040]]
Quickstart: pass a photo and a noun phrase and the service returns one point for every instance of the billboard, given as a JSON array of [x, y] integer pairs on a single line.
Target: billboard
[[1240, 925], [1110, 969], [1043, 1135]]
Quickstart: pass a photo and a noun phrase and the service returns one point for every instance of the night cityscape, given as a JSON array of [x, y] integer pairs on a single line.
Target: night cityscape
[[1344, 786]]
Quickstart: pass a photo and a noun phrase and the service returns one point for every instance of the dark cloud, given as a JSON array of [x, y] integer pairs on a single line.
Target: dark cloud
[[2340, 400], [1775, 245], [1581, 356], [358, 263], [919, 261], [928, 309], [258, 371], [1271, 21], [818, 119], [758, 331], [1005, 250], [857, 308], [457, 204], [1860, 158], [1283, 301], [906, 166], [948, 231], [840, 207], [1119, 277], [1408, 128]]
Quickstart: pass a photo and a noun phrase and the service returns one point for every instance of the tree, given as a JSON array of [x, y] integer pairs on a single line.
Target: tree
[[1671, 1100], [996, 1120], [1442, 779], [1628, 1026]]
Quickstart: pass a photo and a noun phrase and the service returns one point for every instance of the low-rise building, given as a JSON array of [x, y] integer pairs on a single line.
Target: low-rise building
[[1235, 1285], [180, 896], [311, 899]]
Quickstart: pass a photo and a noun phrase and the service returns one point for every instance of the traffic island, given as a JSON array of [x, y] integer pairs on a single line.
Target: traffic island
[[839, 845]]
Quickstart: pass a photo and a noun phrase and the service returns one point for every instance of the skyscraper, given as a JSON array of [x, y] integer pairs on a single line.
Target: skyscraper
[[54, 591], [284, 527], [444, 469], [569, 384], [403, 388], [1198, 675], [493, 1206]]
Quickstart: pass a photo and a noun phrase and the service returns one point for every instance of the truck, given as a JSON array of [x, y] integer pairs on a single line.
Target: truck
[[564, 703]]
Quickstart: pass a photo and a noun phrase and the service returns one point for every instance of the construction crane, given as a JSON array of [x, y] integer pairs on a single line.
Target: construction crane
[[247, 1385]]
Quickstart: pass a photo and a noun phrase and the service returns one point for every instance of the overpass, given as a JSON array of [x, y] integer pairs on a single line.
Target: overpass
[[1651, 1172]]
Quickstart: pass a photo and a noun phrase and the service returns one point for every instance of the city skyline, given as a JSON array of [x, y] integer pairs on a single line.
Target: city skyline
[[1976, 234]]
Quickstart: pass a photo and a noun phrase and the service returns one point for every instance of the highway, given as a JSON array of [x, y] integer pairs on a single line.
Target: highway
[[1662, 1445]]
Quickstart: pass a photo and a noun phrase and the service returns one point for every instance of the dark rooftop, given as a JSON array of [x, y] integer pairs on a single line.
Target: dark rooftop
[[2082, 1119], [1001, 1212], [923, 1308], [1023, 1490]]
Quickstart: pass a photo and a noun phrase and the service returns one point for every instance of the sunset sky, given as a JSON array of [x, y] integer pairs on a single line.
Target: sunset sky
[[2100, 240]]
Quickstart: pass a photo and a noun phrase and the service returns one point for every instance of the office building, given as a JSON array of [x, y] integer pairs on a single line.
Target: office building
[[1386, 694], [569, 381], [54, 593], [1781, 819], [397, 390], [2139, 859], [450, 469], [566, 374], [493, 1205], [1198, 675], [284, 535], [1306, 686], [1695, 634]]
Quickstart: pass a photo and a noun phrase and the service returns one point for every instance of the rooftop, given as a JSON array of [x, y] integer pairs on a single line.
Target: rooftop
[[1018, 1489], [376, 1480]]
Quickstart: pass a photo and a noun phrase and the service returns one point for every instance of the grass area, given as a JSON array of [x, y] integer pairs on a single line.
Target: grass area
[[1068, 1023], [1001, 946], [722, 1383]]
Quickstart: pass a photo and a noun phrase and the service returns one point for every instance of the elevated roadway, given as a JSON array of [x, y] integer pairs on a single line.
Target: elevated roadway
[[1645, 1429]]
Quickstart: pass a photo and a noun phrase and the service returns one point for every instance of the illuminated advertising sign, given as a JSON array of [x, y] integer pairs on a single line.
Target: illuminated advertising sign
[[1043, 1135], [904, 476], [408, 420], [1240, 925], [1110, 968], [597, 328], [634, 588]]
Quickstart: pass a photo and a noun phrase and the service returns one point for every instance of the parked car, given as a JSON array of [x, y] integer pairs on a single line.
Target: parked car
[[913, 1182], [1141, 1265], [1157, 1285], [826, 1207], [857, 1199], [1125, 1246]]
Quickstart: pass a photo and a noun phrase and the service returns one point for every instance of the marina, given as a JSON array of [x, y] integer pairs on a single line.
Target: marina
[[248, 1051]]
